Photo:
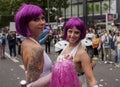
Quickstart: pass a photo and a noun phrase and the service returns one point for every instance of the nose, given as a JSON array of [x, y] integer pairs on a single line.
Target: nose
[[72, 34]]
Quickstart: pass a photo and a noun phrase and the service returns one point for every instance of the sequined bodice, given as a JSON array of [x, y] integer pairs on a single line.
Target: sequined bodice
[[61, 57]]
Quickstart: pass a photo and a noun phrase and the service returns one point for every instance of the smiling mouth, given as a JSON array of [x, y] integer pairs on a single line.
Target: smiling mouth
[[72, 39], [40, 27]]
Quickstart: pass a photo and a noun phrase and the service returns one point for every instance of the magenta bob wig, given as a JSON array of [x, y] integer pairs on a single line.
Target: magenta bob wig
[[75, 22], [26, 13]]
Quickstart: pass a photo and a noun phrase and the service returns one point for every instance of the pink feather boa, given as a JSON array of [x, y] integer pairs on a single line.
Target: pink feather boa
[[64, 75]]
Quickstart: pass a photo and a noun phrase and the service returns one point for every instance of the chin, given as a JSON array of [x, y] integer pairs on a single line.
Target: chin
[[72, 41]]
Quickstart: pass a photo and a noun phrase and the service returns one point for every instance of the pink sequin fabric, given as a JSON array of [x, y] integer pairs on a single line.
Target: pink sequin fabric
[[64, 75]]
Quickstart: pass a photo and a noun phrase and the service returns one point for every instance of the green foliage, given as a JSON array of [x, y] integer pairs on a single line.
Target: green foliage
[[105, 6], [89, 7], [10, 7], [97, 7]]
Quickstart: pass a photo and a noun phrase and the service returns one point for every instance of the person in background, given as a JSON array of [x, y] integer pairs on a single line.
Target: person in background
[[3, 45], [48, 43], [55, 36], [74, 32], [44, 36], [117, 42], [19, 41], [95, 45], [30, 22], [113, 28], [90, 35], [106, 47], [11, 37]]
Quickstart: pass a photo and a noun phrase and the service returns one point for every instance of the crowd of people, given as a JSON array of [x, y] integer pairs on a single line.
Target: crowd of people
[[103, 46], [31, 33], [12, 40], [2, 45]]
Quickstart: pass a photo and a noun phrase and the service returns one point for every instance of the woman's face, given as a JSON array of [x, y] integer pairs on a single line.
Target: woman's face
[[37, 25], [73, 35]]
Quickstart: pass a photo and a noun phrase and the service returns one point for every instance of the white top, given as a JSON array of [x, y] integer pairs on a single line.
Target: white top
[[72, 53]]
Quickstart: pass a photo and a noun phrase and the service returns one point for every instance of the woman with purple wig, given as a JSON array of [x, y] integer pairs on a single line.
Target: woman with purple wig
[[30, 21], [73, 63]]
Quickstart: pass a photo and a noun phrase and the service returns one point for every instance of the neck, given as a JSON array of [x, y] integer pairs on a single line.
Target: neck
[[36, 38], [71, 45]]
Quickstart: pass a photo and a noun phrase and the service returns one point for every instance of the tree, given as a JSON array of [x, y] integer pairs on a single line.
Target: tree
[[97, 7], [105, 6], [8, 8], [58, 5], [89, 7]]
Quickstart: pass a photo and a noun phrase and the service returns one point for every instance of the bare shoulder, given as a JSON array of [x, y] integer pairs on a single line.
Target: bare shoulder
[[82, 54], [31, 49], [83, 57]]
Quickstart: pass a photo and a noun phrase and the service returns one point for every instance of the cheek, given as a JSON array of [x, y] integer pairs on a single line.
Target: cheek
[[77, 37], [31, 25], [68, 35]]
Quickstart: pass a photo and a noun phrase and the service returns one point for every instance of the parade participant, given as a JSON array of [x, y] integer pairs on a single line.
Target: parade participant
[[95, 45], [44, 36], [11, 37], [74, 32], [3, 45], [30, 21]]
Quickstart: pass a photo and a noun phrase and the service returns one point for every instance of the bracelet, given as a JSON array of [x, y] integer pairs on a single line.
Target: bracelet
[[95, 86]]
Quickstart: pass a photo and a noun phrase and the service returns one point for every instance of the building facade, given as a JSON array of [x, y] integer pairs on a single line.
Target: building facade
[[93, 11]]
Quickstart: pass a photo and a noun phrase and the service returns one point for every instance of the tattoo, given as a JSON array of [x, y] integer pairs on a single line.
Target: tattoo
[[35, 64]]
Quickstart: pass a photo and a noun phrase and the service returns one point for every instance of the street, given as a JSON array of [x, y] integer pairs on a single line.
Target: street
[[107, 75], [12, 72], [95, 21]]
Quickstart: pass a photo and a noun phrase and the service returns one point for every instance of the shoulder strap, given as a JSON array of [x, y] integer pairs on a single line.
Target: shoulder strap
[[73, 52], [64, 48]]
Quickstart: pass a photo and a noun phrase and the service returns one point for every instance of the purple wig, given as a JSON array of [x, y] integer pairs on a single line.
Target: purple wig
[[26, 13], [64, 75], [75, 22]]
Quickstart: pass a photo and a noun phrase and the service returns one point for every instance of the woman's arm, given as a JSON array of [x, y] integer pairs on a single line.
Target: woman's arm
[[33, 61], [87, 68], [41, 82], [42, 40]]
